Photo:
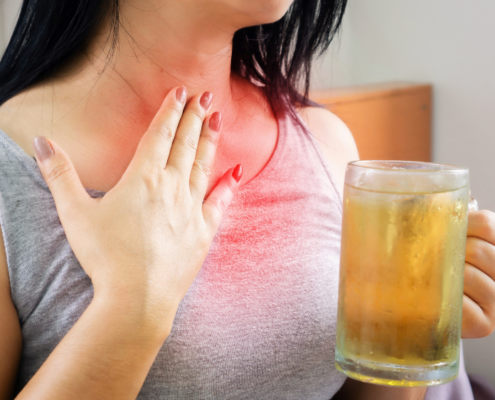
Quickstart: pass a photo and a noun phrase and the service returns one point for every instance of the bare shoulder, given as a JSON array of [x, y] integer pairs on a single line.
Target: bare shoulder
[[15, 117], [335, 139]]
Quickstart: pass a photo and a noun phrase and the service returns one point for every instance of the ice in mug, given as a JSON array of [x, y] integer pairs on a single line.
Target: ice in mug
[[401, 284]]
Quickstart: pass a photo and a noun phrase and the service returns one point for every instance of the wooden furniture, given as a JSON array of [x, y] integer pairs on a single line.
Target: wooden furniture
[[389, 121]]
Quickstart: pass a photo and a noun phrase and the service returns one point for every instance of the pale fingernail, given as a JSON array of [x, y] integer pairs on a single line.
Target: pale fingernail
[[206, 99], [181, 94], [42, 148], [215, 121], [237, 173]]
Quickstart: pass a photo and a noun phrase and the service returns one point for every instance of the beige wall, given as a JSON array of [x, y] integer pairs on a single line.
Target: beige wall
[[9, 10], [2, 34], [449, 43]]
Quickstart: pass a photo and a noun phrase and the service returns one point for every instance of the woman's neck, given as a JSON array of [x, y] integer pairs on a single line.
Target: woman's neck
[[98, 111], [158, 48]]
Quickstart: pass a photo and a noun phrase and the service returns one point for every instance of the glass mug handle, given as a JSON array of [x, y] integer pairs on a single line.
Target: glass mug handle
[[473, 205]]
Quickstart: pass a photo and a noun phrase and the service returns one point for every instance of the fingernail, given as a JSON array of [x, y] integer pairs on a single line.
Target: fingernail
[[206, 99], [42, 148], [215, 121], [181, 94], [237, 173]]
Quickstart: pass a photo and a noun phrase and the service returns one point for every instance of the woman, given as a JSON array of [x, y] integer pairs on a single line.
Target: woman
[[126, 274]]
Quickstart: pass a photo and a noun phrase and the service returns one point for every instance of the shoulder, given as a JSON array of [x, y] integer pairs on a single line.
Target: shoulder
[[334, 138], [16, 115]]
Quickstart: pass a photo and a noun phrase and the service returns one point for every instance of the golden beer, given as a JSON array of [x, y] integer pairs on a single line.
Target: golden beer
[[401, 277]]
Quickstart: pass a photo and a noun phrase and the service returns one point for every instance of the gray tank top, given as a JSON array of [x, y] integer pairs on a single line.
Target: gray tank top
[[259, 320]]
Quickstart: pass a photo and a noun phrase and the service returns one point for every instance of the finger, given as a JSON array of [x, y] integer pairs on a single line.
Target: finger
[[482, 254], [154, 148], [60, 176], [480, 288], [475, 323], [482, 225], [220, 198], [183, 151], [205, 156]]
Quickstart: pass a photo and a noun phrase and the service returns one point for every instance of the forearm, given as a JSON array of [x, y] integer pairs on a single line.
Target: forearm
[[356, 390], [106, 355]]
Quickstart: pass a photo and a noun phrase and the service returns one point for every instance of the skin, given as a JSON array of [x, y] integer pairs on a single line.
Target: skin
[[98, 120]]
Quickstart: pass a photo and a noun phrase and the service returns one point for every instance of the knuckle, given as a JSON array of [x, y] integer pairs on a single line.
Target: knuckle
[[61, 171], [198, 113], [210, 137], [473, 249], [468, 275], [221, 204], [189, 142], [166, 133], [485, 328], [177, 110], [153, 179], [487, 221], [202, 168]]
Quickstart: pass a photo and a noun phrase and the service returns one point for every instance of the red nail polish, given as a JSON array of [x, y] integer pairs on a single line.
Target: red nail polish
[[206, 99], [237, 173], [181, 94], [215, 121]]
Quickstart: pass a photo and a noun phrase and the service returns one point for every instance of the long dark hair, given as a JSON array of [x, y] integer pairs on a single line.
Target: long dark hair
[[278, 56]]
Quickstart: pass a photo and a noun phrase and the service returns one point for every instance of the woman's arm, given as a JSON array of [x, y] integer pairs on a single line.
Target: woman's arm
[[106, 355], [10, 332], [108, 351]]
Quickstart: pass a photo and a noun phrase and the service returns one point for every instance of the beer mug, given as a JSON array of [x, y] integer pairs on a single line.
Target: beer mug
[[402, 272]]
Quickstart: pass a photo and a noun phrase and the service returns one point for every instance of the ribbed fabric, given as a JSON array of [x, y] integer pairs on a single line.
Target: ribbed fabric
[[259, 320]]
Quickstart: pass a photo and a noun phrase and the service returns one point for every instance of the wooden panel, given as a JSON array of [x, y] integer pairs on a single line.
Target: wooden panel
[[389, 121]]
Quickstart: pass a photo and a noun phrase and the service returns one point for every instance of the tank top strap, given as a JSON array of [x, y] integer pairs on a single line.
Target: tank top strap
[[304, 130], [296, 159], [16, 162]]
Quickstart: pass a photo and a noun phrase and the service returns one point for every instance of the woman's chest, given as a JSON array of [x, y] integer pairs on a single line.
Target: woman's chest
[[264, 305], [275, 258]]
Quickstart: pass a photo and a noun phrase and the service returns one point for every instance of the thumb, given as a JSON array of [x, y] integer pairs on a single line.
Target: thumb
[[220, 197], [60, 176]]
